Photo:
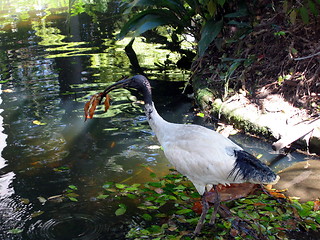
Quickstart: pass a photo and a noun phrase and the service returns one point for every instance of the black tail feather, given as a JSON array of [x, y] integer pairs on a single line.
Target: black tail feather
[[251, 169]]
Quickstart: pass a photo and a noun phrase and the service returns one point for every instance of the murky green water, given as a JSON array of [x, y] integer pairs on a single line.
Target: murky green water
[[50, 63]]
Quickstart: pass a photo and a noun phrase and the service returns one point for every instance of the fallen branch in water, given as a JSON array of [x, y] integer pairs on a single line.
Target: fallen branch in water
[[296, 132]]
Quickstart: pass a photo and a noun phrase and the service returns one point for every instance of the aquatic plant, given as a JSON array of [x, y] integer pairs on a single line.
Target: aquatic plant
[[169, 209]]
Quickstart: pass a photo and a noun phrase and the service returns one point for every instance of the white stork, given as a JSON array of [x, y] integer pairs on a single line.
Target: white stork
[[206, 157]]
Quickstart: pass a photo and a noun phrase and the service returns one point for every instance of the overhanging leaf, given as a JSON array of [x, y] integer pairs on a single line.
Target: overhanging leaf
[[212, 8], [174, 5], [242, 12], [148, 20], [209, 32], [313, 8], [304, 14]]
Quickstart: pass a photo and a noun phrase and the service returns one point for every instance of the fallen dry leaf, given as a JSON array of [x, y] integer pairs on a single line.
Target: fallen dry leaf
[[232, 192], [316, 206], [277, 194], [197, 207], [158, 190], [113, 144]]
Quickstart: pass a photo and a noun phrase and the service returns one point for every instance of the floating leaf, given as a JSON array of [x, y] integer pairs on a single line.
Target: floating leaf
[[200, 114], [7, 90], [25, 200], [15, 231], [102, 196], [41, 199], [37, 122], [61, 168], [155, 184], [36, 214], [57, 198], [153, 175], [72, 194], [155, 229], [113, 144], [120, 186], [147, 217], [131, 196], [73, 199], [153, 147], [73, 187], [107, 185], [183, 211], [122, 205], [120, 211]]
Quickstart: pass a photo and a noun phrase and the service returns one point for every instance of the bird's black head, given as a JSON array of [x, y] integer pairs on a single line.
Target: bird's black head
[[138, 82]]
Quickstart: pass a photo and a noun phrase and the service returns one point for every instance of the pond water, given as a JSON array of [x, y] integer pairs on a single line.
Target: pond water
[[50, 65]]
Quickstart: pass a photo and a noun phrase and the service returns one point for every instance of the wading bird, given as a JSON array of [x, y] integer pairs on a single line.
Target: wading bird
[[206, 157]]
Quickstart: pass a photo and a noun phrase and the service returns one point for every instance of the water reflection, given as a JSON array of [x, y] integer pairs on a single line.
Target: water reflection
[[47, 73]]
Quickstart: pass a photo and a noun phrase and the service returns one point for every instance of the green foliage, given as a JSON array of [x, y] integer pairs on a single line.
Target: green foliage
[[165, 208], [210, 31], [303, 9], [78, 7], [121, 210], [147, 20], [202, 19]]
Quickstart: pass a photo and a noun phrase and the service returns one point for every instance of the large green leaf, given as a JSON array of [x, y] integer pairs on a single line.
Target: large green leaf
[[193, 3], [209, 32], [304, 14], [147, 20], [174, 5], [241, 12], [313, 8]]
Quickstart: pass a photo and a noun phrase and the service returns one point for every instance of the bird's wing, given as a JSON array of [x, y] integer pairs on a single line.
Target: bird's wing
[[203, 155], [250, 169]]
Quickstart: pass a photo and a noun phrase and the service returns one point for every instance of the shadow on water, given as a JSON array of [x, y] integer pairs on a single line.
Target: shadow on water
[[53, 165]]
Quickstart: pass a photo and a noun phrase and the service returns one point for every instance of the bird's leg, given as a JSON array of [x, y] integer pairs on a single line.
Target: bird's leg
[[269, 194], [224, 211], [216, 205], [205, 208]]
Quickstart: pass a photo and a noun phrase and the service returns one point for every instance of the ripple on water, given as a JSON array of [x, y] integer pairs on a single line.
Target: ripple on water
[[69, 226], [14, 213]]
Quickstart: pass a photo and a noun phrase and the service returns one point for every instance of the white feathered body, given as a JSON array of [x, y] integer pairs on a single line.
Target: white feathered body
[[203, 155]]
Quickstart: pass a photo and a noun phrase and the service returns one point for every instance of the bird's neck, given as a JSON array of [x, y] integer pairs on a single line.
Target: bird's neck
[[156, 122], [158, 125]]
